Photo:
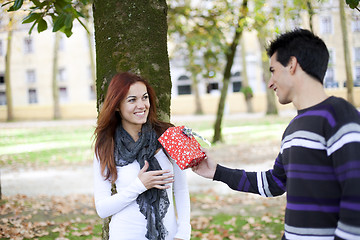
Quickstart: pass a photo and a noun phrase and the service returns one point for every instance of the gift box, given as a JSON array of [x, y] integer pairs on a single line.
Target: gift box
[[180, 143]]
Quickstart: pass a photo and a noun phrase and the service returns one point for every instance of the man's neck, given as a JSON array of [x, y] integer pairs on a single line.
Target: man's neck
[[310, 93]]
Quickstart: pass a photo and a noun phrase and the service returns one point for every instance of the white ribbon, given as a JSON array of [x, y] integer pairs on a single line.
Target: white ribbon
[[188, 132]]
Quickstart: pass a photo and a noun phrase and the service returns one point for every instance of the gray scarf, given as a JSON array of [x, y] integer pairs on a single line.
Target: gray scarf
[[153, 203]]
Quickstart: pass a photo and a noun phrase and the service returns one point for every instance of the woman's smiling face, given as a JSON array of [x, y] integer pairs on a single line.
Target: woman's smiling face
[[134, 109]]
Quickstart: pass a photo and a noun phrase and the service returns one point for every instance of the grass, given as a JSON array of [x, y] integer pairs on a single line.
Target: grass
[[47, 145]]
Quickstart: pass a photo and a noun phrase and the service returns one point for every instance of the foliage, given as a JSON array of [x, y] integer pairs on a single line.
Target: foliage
[[354, 4], [61, 13], [247, 91], [234, 216]]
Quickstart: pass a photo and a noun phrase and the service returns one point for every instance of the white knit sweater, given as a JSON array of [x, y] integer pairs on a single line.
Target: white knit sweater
[[127, 222]]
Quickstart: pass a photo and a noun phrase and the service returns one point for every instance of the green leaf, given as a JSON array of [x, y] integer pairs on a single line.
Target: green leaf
[[67, 32], [31, 17], [42, 25], [69, 21], [6, 3], [36, 2], [32, 27], [352, 3], [59, 22], [17, 5]]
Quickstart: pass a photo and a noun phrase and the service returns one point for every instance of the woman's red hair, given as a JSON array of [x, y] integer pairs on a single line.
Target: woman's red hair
[[109, 119]]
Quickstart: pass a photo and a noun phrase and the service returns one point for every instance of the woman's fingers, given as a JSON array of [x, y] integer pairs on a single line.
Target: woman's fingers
[[157, 179]]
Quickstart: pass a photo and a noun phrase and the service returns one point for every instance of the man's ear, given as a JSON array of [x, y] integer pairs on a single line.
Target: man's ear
[[293, 64]]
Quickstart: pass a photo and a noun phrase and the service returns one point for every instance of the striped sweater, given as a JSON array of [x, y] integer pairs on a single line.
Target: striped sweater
[[318, 167]]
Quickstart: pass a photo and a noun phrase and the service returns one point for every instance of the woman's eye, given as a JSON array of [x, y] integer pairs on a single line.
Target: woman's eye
[[146, 97]]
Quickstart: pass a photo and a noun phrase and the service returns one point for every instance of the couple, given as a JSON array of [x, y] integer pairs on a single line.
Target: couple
[[318, 164]]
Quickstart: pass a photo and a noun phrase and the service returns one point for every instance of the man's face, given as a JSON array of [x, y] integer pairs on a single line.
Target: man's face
[[281, 80]]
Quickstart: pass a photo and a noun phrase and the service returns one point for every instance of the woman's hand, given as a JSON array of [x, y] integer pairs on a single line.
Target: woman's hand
[[155, 179]]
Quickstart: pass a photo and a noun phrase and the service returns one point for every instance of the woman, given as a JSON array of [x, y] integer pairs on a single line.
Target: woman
[[128, 154]]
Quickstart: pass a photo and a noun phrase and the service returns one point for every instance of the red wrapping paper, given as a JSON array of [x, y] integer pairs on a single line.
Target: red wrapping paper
[[184, 150]]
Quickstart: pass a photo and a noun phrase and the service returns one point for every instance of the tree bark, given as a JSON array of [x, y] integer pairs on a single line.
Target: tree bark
[[311, 13], [245, 79], [55, 70], [349, 77], [132, 36], [9, 102], [271, 108], [89, 36], [194, 81]]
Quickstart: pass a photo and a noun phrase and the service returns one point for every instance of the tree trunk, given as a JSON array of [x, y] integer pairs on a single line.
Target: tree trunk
[[55, 88], [311, 13], [91, 53], [198, 105], [230, 54], [9, 103], [271, 108], [194, 81], [132, 36], [245, 79], [349, 77]]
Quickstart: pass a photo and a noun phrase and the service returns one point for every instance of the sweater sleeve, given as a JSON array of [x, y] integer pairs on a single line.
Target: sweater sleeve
[[344, 149], [182, 202], [106, 204], [269, 183]]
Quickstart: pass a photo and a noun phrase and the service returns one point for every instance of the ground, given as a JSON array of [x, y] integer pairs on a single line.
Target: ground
[[60, 195]]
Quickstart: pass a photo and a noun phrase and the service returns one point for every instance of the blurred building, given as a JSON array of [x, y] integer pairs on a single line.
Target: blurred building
[[32, 58]]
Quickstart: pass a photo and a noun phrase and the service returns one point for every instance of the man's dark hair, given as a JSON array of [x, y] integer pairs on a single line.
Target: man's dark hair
[[309, 50]]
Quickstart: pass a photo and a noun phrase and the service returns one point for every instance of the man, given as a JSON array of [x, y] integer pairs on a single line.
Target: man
[[318, 165]]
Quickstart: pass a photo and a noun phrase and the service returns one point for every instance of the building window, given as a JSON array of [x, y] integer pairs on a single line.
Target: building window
[[357, 73], [62, 75], [184, 85], [236, 82], [92, 93], [32, 96], [329, 81], [212, 87], [326, 25], [28, 45], [63, 95], [30, 76], [2, 98], [357, 54], [356, 24], [2, 79]]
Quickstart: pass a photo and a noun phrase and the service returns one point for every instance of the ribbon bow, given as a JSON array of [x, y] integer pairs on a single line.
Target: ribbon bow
[[188, 132]]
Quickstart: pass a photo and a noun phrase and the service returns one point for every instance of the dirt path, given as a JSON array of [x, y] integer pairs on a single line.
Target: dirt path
[[78, 179]]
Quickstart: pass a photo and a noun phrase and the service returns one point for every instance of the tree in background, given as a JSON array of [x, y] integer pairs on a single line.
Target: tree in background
[[195, 36], [9, 103], [263, 21], [230, 51], [55, 87], [345, 38]]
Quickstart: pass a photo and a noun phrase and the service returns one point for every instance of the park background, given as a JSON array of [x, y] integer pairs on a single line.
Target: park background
[[214, 82]]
